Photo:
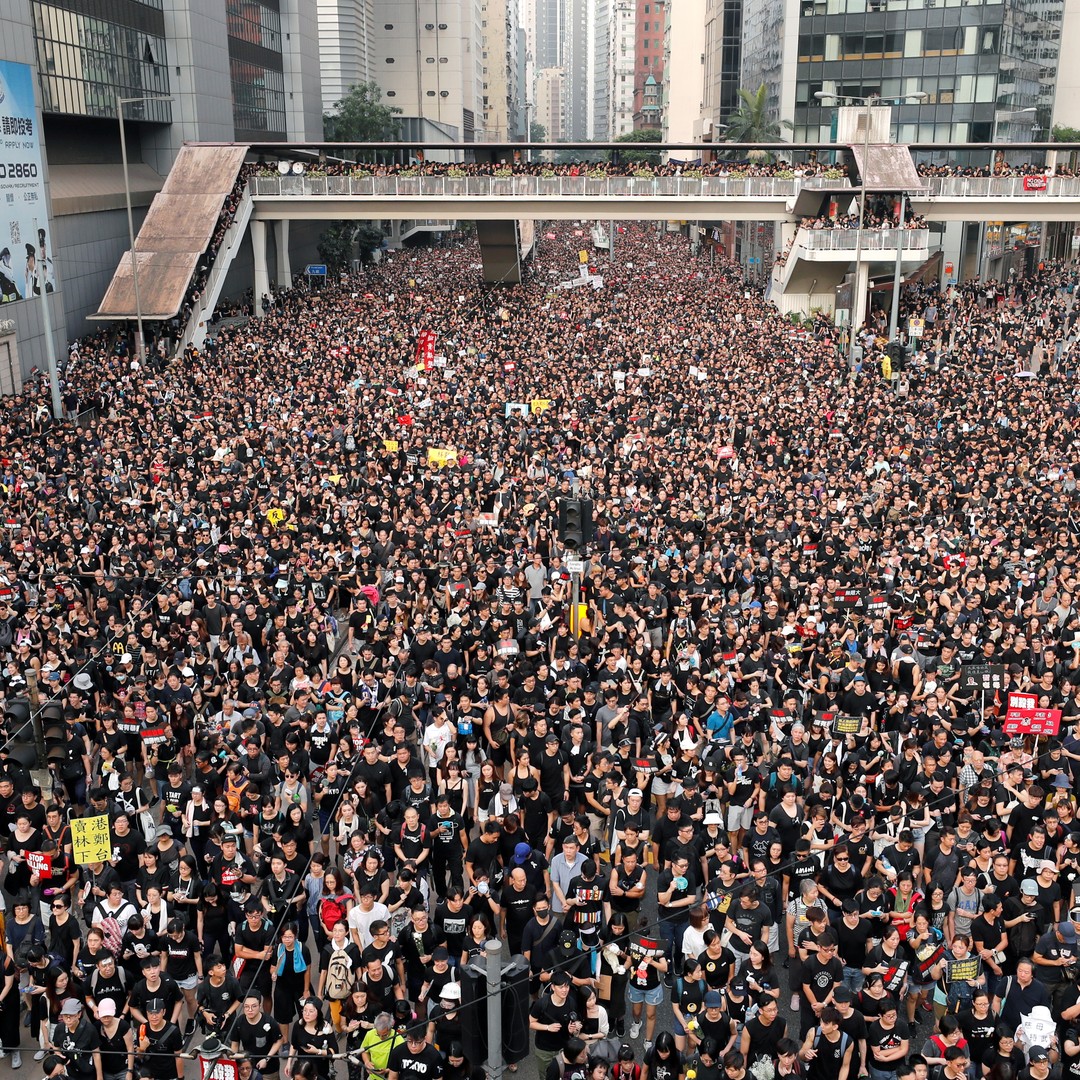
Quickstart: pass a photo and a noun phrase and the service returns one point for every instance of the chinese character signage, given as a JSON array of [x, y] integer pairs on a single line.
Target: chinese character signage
[[90, 840], [1032, 721], [26, 251]]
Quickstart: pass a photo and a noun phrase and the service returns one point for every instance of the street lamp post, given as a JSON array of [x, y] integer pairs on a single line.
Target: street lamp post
[[868, 102], [140, 347]]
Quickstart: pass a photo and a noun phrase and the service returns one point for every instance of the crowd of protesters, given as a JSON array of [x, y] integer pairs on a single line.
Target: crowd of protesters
[[327, 693]]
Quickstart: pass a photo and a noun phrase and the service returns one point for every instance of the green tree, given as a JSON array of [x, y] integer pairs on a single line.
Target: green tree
[[537, 132], [640, 157], [1061, 133], [345, 240], [754, 122], [360, 116]]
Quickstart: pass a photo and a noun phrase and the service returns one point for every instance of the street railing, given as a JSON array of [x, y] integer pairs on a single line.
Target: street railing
[[872, 239], [1002, 187], [316, 184], [313, 184]]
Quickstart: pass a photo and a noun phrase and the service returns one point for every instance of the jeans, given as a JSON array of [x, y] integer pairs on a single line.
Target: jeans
[[881, 1074], [853, 979]]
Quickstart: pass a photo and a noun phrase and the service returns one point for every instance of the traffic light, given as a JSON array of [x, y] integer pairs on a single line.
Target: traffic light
[[575, 522], [898, 354]]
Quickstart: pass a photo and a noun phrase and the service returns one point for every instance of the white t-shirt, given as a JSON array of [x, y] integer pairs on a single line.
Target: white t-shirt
[[361, 921]]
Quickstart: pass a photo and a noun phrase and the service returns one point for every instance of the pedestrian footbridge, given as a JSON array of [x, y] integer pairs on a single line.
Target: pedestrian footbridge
[[171, 273]]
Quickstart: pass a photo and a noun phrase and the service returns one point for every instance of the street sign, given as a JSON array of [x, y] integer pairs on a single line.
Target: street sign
[[575, 566], [316, 270]]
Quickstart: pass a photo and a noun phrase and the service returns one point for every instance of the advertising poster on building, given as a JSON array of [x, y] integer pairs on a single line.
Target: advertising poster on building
[[25, 240]]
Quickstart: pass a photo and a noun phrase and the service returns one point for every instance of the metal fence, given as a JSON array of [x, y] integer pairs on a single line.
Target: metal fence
[[1004, 187], [872, 239], [314, 184]]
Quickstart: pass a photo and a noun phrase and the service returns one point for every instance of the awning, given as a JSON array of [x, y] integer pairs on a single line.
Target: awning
[[83, 189], [887, 167]]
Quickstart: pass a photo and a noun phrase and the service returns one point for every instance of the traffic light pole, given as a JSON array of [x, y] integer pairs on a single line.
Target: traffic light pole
[[894, 319], [575, 600], [493, 963]]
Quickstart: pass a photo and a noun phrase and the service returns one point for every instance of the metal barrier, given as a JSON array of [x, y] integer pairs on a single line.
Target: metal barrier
[[525, 186], [1003, 187], [872, 239]]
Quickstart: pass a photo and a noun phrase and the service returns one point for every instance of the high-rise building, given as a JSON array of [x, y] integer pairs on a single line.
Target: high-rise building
[[621, 65], [500, 64], [549, 102], [723, 62], [427, 57], [684, 71], [648, 60], [601, 58], [346, 34], [202, 70], [563, 37]]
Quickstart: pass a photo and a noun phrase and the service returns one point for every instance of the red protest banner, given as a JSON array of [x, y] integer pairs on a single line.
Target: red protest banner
[[1032, 721], [39, 864], [725, 452], [1035, 183]]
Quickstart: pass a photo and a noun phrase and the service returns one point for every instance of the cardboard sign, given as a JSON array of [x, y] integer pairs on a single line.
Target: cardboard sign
[[583, 257], [1032, 722], [441, 455], [90, 839], [218, 1068], [539, 405], [877, 606], [390, 446]]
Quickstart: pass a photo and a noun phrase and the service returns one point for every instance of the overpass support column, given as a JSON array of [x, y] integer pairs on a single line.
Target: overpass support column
[[262, 273], [281, 242], [859, 295]]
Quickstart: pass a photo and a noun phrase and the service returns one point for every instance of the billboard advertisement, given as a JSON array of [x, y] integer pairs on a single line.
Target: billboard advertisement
[[26, 265]]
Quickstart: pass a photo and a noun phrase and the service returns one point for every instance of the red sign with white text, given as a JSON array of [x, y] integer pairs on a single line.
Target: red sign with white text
[[1032, 721], [1034, 183]]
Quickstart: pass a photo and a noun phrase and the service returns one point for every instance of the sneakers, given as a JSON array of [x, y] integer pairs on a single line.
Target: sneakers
[[189, 1029], [794, 1002], [39, 1056], [635, 1030], [16, 1060]]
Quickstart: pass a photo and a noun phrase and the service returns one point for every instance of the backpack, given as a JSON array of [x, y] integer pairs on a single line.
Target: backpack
[[112, 935], [340, 977], [331, 912], [5, 634]]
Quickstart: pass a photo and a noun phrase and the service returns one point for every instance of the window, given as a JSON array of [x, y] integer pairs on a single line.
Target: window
[[389, 59], [389, 26]]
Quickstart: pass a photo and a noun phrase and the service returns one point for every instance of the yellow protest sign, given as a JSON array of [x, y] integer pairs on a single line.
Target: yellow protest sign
[[90, 839], [441, 455], [275, 515], [583, 257], [390, 445], [538, 405]]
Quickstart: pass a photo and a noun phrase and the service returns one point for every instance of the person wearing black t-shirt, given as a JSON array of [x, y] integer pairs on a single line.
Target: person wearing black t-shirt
[[258, 1036], [549, 1020], [415, 1059], [888, 1040], [158, 1043], [763, 1032]]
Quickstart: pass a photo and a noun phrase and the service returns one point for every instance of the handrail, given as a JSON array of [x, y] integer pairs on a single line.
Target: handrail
[[872, 239], [313, 184], [734, 186]]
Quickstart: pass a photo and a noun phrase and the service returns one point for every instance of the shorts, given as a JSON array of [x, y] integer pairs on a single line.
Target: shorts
[[655, 996], [189, 983], [740, 817]]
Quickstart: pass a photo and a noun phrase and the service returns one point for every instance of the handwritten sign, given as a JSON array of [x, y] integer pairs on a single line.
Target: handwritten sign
[[90, 840], [982, 676], [538, 405], [390, 445], [441, 455], [275, 515], [847, 725]]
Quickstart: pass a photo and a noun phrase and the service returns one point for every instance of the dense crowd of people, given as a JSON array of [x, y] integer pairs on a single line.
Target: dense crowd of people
[[323, 684]]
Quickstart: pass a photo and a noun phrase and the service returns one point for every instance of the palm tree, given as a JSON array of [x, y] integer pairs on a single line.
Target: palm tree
[[752, 122]]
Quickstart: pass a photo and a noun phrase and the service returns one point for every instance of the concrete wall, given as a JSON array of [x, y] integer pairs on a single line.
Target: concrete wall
[[89, 247]]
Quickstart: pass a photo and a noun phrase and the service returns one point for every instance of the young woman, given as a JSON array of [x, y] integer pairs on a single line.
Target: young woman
[[478, 933], [312, 1041], [664, 1062], [291, 978], [184, 892], [926, 947], [688, 1003], [960, 994], [759, 974], [594, 1020], [336, 901]]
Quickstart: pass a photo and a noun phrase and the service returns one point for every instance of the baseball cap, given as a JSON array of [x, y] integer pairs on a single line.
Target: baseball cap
[[71, 1007], [1029, 887], [155, 1005], [521, 853], [713, 1000], [1038, 1053], [106, 1007], [1067, 931]]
